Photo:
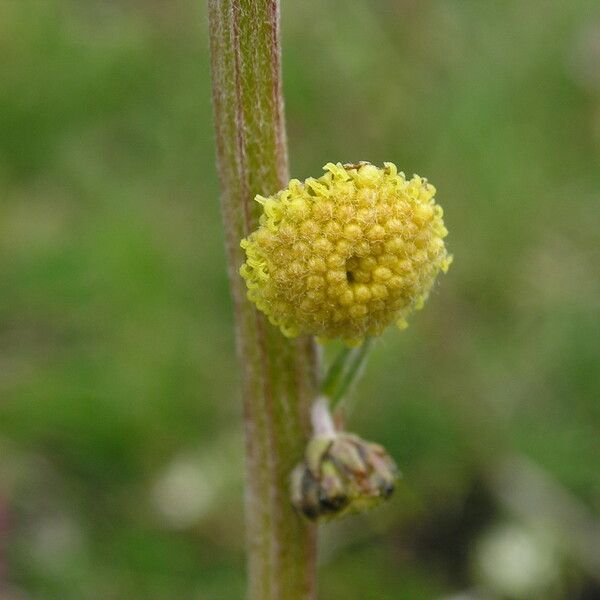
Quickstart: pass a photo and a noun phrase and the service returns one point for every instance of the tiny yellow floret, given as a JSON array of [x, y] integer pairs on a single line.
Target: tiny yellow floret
[[346, 255]]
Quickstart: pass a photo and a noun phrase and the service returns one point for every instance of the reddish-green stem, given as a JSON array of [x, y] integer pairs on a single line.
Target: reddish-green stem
[[278, 374]]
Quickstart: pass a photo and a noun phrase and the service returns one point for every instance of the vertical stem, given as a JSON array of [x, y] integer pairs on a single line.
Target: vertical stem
[[278, 375]]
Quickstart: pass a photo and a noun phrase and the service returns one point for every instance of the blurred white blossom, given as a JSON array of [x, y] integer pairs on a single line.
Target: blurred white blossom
[[514, 563]]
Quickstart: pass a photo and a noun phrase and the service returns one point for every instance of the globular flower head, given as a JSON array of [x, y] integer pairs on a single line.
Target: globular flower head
[[342, 474], [345, 255]]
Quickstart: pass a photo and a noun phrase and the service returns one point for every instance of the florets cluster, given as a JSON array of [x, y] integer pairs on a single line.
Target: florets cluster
[[347, 254]]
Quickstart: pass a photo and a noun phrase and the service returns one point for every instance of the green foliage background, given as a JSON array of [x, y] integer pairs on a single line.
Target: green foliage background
[[120, 443]]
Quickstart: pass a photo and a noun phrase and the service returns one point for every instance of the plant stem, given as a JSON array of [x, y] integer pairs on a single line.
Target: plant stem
[[279, 379]]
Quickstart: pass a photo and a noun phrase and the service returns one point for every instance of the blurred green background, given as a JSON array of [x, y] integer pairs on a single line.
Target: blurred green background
[[120, 441]]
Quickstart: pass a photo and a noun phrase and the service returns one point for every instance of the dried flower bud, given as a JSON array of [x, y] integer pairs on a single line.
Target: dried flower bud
[[346, 255], [342, 473]]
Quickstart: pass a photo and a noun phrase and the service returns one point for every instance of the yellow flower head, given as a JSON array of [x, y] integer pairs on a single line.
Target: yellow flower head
[[345, 255]]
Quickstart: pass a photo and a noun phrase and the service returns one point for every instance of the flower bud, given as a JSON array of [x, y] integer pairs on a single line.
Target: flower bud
[[341, 474]]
